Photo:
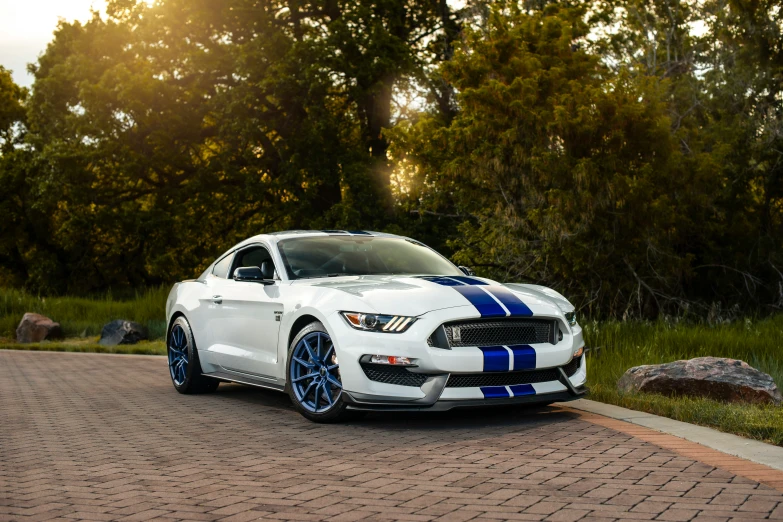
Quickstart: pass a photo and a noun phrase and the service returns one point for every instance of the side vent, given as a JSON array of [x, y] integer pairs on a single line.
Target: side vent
[[438, 339]]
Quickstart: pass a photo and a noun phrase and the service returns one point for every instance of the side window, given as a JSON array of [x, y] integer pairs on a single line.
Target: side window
[[221, 267], [253, 256]]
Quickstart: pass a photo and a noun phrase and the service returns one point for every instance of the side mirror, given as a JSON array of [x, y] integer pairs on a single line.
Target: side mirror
[[467, 270], [267, 269], [252, 274]]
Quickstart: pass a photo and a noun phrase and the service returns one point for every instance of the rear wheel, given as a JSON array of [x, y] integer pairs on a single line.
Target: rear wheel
[[314, 383], [184, 366]]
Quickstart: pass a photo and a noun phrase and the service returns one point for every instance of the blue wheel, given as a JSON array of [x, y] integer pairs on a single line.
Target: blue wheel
[[184, 366], [178, 355], [314, 382]]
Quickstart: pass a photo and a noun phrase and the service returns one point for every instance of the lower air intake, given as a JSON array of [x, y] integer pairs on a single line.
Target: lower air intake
[[393, 375]]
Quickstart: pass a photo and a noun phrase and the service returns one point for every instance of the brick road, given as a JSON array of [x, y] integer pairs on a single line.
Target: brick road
[[97, 437]]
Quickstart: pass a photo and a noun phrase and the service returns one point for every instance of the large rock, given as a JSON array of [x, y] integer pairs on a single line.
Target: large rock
[[35, 328], [711, 377], [122, 332]]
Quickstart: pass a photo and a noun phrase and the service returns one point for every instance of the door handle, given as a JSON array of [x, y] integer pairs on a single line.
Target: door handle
[[217, 299]]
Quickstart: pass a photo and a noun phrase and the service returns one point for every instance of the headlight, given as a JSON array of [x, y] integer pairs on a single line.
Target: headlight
[[378, 323], [571, 318]]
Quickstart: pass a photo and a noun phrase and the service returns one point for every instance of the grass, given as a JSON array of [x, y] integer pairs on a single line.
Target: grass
[[84, 317], [621, 345]]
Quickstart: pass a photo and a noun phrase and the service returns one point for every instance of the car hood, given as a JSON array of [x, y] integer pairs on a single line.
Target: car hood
[[414, 296]]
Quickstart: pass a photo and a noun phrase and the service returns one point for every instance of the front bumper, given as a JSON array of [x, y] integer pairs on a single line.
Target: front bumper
[[437, 364]]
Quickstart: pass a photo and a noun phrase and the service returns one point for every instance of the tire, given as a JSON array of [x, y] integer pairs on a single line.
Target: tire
[[313, 376], [184, 366]]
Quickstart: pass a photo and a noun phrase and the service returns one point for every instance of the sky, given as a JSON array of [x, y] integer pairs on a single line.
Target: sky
[[26, 26]]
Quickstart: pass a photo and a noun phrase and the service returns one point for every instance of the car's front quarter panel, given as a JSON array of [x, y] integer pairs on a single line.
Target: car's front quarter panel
[[321, 303]]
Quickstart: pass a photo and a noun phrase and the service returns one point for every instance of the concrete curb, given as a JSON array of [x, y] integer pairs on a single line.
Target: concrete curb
[[752, 450]]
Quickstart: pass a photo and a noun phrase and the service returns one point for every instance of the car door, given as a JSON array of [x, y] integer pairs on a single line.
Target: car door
[[246, 322]]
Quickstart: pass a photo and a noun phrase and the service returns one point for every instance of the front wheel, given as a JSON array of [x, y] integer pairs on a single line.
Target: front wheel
[[184, 366], [314, 383]]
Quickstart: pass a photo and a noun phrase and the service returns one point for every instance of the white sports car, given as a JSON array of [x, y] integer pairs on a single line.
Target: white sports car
[[355, 320]]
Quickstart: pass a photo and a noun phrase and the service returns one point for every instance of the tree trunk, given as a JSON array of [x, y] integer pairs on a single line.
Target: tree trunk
[[378, 116]]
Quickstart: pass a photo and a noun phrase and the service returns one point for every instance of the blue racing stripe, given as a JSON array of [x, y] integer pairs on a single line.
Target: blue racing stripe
[[468, 280], [483, 302], [443, 281], [486, 304], [521, 389], [494, 392], [524, 357], [514, 304], [496, 358]]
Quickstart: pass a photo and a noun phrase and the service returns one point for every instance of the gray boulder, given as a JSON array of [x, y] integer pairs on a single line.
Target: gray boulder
[[35, 328], [716, 378], [122, 332]]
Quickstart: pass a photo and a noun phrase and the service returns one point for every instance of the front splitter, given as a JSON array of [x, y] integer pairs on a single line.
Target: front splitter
[[389, 404]]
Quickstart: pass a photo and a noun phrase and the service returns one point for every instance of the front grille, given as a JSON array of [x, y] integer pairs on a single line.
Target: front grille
[[498, 332], [393, 375], [475, 380]]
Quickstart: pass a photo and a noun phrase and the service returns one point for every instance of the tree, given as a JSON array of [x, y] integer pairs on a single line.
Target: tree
[[12, 99], [561, 171], [168, 132], [24, 224]]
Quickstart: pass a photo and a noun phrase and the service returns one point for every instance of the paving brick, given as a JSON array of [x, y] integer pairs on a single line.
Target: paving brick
[[678, 515], [732, 499], [567, 515], [81, 443], [758, 505], [545, 508]]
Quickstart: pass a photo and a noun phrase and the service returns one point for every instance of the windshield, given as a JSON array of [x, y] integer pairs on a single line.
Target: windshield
[[333, 256]]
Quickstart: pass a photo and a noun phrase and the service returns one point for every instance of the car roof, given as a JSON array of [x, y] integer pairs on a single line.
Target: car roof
[[274, 237]]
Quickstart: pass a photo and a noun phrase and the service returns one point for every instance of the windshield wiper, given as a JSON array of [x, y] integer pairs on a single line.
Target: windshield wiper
[[334, 275]]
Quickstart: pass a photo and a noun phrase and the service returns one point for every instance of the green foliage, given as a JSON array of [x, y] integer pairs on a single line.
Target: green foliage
[[565, 172], [625, 344], [82, 316], [619, 346], [12, 110]]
